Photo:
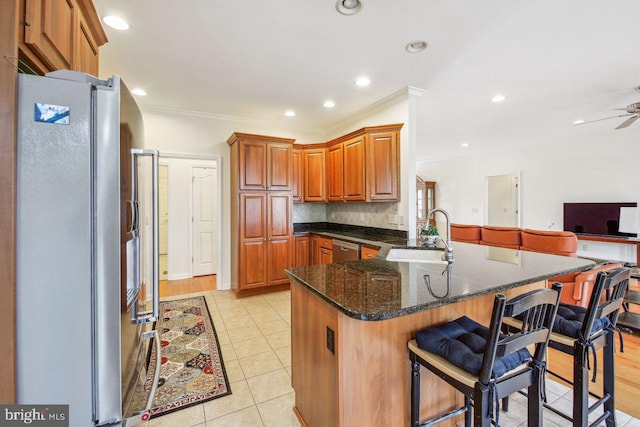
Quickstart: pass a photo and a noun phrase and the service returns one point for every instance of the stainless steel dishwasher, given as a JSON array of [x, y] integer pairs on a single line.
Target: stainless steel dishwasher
[[345, 251]]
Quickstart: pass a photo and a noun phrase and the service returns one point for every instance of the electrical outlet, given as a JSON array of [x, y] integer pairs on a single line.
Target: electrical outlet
[[400, 220], [474, 210], [361, 217], [330, 340]]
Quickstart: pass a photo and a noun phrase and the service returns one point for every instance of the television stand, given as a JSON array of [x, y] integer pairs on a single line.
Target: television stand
[[619, 240]]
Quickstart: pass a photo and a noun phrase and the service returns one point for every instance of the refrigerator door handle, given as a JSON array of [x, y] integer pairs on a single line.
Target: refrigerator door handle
[[156, 374], [133, 226], [152, 315], [143, 415]]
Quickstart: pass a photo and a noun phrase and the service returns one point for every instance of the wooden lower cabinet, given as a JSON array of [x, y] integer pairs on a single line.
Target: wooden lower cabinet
[[367, 252], [302, 251], [326, 256], [265, 239]]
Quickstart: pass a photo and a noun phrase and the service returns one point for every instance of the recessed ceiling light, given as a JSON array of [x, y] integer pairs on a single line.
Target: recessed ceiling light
[[464, 144], [578, 122], [348, 7], [363, 81], [139, 92], [329, 104], [116, 22], [498, 98], [416, 46], [290, 113]]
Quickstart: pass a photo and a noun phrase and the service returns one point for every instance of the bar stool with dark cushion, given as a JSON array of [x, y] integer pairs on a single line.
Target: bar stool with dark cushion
[[578, 331], [466, 233], [484, 364]]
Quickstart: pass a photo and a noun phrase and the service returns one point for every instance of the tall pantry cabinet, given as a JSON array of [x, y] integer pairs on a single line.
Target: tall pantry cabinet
[[261, 213]]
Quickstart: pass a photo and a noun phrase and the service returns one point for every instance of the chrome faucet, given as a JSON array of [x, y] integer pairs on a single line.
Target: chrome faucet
[[447, 243]]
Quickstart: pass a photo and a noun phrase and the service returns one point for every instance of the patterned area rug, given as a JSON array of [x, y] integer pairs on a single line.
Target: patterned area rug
[[191, 370]]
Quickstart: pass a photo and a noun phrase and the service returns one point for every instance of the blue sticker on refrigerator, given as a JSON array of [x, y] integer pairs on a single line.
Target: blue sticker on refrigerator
[[49, 113]]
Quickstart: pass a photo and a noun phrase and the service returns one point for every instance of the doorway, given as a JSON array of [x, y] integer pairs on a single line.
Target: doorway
[[189, 235], [503, 200]]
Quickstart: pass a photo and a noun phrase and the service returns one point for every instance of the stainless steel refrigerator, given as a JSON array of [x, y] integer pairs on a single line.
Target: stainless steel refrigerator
[[87, 250]]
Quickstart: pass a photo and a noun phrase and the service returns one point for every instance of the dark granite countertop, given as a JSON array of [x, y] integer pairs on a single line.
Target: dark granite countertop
[[378, 289], [382, 239]]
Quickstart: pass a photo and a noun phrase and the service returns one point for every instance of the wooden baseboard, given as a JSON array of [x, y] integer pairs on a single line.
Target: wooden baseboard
[[243, 293]]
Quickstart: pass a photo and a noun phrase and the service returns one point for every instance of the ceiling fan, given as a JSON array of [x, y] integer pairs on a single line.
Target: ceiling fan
[[632, 111]]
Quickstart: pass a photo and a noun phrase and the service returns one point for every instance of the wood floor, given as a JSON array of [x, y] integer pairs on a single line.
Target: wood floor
[[170, 288], [627, 369], [627, 363]]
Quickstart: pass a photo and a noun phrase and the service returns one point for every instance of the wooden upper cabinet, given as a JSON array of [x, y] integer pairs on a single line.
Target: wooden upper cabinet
[[354, 169], [297, 176], [253, 165], [314, 175], [278, 166], [383, 157], [61, 34], [51, 30], [264, 162], [335, 171], [86, 53]]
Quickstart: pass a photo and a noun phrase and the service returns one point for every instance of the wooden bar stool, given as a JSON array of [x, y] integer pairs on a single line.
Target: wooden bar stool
[[484, 364], [578, 331]]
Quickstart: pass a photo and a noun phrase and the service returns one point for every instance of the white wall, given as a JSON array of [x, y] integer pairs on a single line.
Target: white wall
[[206, 135], [600, 169]]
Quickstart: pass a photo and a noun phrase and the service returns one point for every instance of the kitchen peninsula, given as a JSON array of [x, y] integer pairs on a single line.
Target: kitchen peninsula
[[351, 323]]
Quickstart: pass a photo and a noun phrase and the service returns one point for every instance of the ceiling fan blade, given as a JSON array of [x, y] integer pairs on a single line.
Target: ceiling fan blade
[[606, 118], [628, 122]]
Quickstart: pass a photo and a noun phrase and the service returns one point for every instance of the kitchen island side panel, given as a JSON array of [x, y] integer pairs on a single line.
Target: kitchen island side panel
[[371, 361]]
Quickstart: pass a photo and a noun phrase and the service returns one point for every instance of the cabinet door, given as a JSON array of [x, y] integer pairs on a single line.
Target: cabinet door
[[253, 240], [253, 165], [86, 55], [51, 31], [315, 250], [278, 237], [278, 166], [354, 170], [326, 256], [297, 182], [335, 173], [302, 248], [314, 175], [382, 162], [367, 253]]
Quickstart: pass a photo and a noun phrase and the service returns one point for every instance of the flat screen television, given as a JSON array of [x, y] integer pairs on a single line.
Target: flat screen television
[[595, 218]]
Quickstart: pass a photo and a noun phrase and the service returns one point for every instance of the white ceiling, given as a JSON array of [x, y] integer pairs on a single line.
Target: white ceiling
[[556, 61]]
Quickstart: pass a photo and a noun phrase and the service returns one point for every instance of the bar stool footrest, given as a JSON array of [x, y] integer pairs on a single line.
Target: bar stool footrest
[[454, 413]]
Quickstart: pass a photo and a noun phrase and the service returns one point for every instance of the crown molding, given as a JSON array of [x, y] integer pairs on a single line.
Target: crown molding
[[163, 109], [382, 104]]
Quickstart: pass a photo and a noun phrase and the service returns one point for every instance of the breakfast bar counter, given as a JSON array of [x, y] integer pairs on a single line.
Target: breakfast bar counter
[[351, 323]]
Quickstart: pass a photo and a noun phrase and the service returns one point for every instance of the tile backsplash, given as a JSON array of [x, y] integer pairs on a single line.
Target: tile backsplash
[[367, 214]]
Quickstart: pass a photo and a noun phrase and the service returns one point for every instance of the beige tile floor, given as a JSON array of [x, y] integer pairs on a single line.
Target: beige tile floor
[[255, 339]]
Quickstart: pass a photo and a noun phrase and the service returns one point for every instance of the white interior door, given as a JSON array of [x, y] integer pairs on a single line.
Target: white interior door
[[204, 220]]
